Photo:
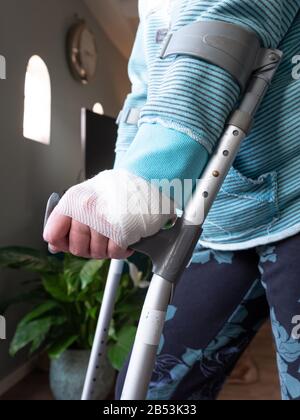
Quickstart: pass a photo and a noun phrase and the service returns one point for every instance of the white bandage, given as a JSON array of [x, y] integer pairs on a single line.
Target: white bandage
[[118, 205]]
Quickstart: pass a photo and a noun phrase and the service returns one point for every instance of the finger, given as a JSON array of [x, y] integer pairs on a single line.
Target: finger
[[98, 246], [57, 230], [54, 250], [115, 252], [79, 240]]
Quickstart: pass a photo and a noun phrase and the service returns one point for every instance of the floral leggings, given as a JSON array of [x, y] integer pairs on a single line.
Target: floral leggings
[[218, 306]]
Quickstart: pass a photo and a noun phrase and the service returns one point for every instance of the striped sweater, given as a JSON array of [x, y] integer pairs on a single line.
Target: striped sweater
[[186, 102]]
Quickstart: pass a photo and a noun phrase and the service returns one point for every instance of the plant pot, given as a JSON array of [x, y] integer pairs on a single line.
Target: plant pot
[[67, 376]]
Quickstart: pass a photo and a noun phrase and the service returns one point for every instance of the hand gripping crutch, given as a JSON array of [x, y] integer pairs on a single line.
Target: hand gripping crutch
[[238, 51]]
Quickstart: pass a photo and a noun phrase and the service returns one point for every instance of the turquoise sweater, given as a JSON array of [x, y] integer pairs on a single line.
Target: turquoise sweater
[[185, 103]]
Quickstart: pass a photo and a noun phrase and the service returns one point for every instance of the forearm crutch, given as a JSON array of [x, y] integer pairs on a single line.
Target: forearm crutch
[[238, 51]]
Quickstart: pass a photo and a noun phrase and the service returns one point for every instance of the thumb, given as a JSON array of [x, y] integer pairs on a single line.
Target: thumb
[[57, 230]]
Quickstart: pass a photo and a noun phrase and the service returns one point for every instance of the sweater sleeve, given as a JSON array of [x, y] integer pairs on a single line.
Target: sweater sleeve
[[189, 100], [137, 71]]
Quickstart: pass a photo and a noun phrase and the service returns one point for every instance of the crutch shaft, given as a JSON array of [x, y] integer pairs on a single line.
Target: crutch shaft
[[147, 339], [100, 342], [214, 175], [179, 242]]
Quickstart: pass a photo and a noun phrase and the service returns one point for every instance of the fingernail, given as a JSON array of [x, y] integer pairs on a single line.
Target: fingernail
[[52, 250]]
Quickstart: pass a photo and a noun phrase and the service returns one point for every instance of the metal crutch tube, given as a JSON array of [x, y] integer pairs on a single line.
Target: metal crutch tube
[[147, 339], [100, 341]]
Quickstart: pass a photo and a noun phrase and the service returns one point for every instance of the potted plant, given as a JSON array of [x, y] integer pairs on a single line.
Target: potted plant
[[65, 302]]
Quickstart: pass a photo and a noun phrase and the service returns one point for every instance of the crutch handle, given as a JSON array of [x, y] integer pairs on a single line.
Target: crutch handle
[[52, 203]]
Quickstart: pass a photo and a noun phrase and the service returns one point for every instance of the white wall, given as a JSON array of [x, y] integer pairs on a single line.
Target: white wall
[[119, 20], [29, 172]]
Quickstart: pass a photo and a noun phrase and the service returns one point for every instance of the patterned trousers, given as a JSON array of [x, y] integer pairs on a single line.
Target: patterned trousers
[[218, 307]]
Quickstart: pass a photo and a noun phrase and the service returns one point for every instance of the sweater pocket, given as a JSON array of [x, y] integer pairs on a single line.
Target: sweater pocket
[[244, 206]]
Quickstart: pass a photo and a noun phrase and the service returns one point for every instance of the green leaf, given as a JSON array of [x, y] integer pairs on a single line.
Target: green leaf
[[61, 346], [93, 312], [112, 331], [131, 305], [73, 264], [35, 332], [28, 259], [37, 342], [56, 286], [126, 282], [89, 272], [71, 274], [99, 296], [118, 352], [130, 311], [72, 281], [39, 311]]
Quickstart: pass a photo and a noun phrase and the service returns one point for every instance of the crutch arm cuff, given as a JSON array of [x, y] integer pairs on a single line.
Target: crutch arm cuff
[[231, 47]]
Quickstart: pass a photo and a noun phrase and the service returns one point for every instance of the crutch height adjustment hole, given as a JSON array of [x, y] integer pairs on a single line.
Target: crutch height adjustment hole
[[226, 153], [273, 57], [236, 133], [205, 194]]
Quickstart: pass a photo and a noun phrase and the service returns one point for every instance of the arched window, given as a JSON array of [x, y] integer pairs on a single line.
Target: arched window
[[98, 109], [37, 102]]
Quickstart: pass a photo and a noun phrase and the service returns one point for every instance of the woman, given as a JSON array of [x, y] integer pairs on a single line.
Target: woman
[[246, 265]]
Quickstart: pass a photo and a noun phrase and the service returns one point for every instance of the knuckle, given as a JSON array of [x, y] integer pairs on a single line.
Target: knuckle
[[114, 251], [96, 256]]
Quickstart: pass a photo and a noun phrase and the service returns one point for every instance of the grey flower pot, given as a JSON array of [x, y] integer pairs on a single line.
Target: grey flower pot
[[67, 375]]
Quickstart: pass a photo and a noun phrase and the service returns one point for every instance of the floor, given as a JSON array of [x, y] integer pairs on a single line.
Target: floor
[[267, 386], [35, 387]]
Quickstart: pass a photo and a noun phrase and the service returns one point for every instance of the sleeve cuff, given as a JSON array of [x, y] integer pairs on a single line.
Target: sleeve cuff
[[159, 153]]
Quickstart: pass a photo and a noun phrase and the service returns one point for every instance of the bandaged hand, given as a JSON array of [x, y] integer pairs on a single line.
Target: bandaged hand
[[103, 216]]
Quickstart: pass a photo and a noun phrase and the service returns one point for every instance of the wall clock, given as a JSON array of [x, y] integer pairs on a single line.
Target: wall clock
[[82, 52]]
